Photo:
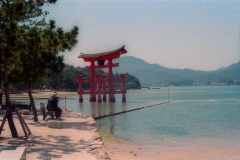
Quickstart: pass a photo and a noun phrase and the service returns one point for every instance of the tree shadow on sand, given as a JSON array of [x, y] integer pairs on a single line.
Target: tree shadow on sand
[[49, 147]]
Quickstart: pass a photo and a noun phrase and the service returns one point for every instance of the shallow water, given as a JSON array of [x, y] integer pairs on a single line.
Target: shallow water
[[196, 115], [201, 115]]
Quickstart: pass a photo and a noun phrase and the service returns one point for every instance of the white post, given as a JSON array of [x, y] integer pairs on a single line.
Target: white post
[[168, 94], [65, 102]]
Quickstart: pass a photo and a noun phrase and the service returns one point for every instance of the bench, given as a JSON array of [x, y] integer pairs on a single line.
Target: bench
[[13, 153], [46, 112]]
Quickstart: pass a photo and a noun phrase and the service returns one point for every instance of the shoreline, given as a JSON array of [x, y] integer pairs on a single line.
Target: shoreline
[[40, 95], [119, 149], [46, 94]]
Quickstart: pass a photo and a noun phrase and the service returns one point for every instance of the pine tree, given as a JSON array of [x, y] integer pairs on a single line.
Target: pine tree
[[39, 54], [13, 14]]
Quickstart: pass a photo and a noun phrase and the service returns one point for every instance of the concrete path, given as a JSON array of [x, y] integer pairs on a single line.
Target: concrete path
[[78, 138]]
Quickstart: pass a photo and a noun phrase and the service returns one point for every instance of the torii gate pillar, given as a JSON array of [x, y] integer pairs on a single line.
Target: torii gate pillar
[[80, 90], [92, 83], [98, 91], [104, 88], [111, 83], [123, 81]]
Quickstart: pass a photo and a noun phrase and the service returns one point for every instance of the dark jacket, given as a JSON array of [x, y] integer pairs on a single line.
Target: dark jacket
[[52, 103]]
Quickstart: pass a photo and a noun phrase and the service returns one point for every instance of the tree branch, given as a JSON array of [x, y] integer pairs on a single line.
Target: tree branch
[[4, 2]]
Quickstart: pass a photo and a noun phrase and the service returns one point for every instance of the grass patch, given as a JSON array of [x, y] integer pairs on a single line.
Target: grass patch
[[110, 138], [112, 143]]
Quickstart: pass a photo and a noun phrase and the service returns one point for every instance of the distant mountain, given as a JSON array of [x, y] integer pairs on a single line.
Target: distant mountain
[[154, 74]]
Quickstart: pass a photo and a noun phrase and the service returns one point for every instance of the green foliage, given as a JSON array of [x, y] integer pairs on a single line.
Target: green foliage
[[23, 33], [17, 21], [183, 82], [40, 46], [67, 80], [41, 2], [13, 14], [132, 82], [16, 16], [30, 46]]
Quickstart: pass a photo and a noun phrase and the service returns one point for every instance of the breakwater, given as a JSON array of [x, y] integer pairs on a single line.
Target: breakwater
[[131, 110]]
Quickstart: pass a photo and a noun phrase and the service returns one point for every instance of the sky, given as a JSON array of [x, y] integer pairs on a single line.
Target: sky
[[194, 34]]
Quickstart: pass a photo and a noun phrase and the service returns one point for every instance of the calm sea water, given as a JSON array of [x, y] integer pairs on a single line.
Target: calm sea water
[[196, 115]]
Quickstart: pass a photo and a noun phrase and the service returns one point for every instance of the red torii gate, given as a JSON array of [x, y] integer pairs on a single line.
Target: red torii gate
[[101, 58]]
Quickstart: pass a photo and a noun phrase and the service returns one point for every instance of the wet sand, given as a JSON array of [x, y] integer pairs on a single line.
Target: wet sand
[[119, 149]]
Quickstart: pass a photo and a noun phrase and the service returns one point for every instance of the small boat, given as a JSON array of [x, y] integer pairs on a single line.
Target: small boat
[[146, 87], [155, 87]]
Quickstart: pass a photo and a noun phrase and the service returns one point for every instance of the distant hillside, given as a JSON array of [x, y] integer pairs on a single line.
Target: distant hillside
[[154, 74], [67, 80]]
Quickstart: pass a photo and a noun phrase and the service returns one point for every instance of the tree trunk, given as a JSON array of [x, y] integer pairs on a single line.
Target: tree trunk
[[29, 86], [0, 97], [7, 99]]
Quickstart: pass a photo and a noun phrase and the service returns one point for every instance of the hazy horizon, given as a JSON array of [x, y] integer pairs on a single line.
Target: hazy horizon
[[175, 34], [178, 68]]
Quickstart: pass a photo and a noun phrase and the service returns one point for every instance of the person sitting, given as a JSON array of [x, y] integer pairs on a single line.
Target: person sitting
[[52, 105]]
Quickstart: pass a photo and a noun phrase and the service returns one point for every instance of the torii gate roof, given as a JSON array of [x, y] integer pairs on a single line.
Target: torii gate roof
[[105, 55]]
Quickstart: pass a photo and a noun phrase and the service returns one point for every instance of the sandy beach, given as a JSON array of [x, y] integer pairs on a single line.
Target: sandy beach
[[40, 94], [119, 149]]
